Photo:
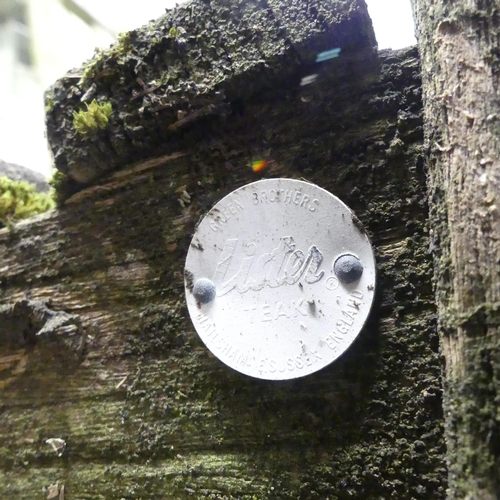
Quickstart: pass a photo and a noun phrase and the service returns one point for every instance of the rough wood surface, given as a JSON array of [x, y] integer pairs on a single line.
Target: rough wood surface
[[143, 408], [459, 43], [199, 61]]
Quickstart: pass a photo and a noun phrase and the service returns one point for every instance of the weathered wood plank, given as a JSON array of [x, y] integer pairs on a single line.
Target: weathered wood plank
[[199, 61], [459, 45], [145, 410]]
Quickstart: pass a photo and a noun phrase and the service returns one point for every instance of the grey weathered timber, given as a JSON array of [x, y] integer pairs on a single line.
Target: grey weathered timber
[[198, 62], [459, 44], [119, 375]]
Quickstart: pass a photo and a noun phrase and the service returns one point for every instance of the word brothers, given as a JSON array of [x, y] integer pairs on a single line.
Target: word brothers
[[284, 265]]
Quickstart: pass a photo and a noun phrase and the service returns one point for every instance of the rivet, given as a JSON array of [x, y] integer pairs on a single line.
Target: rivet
[[204, 290], [348, 268]]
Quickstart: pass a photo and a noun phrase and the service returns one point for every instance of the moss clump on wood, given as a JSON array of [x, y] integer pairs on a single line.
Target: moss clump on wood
[[19, 200], [94, 119], [63, 187]]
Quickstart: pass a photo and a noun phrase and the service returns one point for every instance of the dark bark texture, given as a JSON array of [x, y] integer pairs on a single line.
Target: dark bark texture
[[97, 351], [460, 48]]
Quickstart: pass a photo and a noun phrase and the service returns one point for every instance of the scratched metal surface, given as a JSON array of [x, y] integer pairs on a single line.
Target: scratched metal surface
[[279, 310]]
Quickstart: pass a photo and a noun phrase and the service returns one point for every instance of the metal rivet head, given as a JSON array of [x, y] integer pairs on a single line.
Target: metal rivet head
[[204, 290], [348, 268]]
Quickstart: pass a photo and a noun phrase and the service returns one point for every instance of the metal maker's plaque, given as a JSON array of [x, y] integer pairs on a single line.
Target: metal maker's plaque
[[280, 278]]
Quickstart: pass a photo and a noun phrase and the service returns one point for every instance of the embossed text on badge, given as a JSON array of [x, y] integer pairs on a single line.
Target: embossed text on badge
[[280, 278]]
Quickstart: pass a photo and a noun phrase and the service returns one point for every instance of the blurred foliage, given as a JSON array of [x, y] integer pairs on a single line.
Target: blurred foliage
[[96, 117], [19, 200]]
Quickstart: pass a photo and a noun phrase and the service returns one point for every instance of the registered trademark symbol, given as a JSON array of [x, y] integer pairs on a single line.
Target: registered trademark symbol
[[249, 248], [332, 283]]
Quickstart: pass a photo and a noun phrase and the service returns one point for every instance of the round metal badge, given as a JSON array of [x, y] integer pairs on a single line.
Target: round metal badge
[[280, 278]]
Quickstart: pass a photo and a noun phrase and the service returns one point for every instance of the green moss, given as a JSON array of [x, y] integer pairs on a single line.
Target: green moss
[[94, 68], [60, 191], [57, 181], [124, 41], [96, 117], [19, 200], [49, 103], [472, 403], [173, 32], [396, 147]]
